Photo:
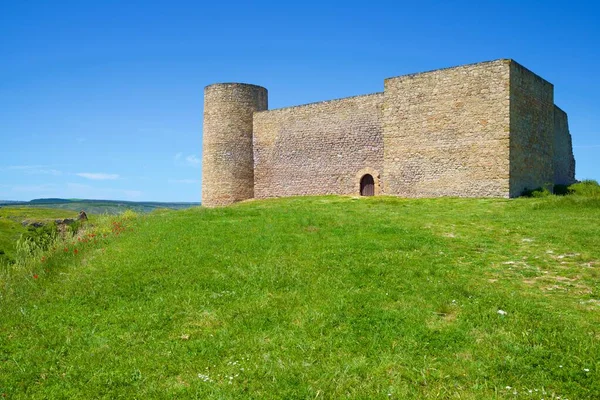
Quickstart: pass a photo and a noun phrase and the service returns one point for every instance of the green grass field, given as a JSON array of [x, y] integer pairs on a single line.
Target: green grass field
[[315, 298]]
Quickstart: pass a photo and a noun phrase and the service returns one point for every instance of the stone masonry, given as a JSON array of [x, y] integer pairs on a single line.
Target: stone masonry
[[483, 130], [321, 148], [227, 159]]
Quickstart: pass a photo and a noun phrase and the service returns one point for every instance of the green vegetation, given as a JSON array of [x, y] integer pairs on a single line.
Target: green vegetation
[[11, 227], [539, 192], [318, 297], [586, 188]]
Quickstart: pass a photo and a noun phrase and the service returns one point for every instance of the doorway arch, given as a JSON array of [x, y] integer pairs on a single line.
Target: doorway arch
[[358, 180], [367, 185]]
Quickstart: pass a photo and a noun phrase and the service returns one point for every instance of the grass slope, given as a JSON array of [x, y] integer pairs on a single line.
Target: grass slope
[[11, 227], [325, 297]]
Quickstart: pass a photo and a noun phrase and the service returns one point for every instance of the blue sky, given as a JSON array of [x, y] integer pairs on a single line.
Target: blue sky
[[104, 99]]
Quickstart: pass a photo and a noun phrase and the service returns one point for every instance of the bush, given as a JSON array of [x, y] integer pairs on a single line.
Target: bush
[[589, 188], [561, 190], [539, 192], [128, 215], [41, 238], [74, 227]]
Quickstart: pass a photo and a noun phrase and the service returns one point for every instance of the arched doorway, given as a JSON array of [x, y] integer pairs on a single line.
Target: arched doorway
[[367, 185]]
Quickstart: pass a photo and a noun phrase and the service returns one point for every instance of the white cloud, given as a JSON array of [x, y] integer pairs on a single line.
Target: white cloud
[[191, 160], [184, 181], [98, 176]]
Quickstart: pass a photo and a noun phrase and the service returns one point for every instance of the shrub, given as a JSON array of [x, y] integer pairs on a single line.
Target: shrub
[[128, 215], [561, 190], [589, 188], [39, 238], [74, 227], [539, 192]]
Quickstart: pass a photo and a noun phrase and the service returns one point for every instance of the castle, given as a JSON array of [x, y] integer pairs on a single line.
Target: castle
[[489, 129]]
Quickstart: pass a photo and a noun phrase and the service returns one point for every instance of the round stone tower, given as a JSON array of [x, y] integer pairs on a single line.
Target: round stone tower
[[227, 153]]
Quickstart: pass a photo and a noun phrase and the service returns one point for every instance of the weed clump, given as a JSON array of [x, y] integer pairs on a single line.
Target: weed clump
[[36, 240]]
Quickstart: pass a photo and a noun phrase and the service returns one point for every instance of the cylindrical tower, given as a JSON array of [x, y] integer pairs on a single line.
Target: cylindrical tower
[[227, 153]]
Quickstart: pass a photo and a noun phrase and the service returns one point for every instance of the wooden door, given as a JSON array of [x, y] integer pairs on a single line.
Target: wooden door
[[367, 186]]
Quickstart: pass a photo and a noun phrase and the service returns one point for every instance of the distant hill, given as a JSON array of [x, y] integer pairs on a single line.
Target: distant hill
[[99, 206], [49, 201]]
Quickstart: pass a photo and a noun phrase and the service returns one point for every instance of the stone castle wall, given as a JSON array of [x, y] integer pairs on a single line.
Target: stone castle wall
[[564, 162], [319, 148], [531, 131], [482, 130], [227, 159], [446, 132]]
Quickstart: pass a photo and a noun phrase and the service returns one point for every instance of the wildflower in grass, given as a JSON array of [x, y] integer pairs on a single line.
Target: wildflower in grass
[[66, 249], [75, 251], [35, 276]]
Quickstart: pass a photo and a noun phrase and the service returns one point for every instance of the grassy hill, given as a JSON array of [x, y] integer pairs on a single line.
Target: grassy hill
[[322, 297]]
